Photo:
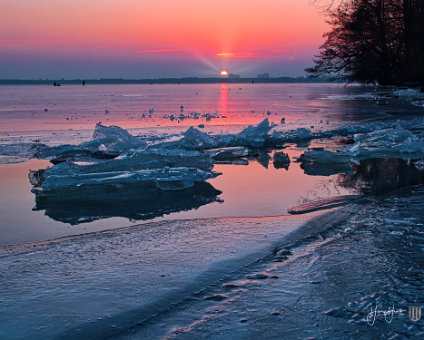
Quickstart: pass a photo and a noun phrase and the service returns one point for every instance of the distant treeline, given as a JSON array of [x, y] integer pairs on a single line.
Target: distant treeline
[[374, 41], [188, 80]]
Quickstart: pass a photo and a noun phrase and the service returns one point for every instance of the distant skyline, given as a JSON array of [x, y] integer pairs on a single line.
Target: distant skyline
[[160, 38]]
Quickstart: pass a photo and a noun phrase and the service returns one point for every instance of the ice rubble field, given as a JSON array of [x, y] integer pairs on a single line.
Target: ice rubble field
[[116, 157], [170, 165], [118, 273]]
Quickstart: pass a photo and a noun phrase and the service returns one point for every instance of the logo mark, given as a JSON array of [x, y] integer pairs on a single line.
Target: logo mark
[[414, 313]]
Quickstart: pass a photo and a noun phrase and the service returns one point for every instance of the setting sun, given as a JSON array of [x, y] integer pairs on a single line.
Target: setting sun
[[224, 74]]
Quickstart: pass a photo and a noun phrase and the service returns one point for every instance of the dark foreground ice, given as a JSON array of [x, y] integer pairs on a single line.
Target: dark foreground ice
[[226, 278], [325, 283]]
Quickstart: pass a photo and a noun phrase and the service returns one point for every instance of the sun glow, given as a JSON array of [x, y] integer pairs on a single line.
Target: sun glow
[[224, 74]]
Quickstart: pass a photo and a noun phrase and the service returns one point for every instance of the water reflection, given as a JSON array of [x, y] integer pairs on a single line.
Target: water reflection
[[224, 98], [86, 204], [90, 203], [382, 175]]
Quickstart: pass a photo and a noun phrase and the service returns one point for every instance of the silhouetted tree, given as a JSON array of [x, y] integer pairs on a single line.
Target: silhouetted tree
[[374, 41]]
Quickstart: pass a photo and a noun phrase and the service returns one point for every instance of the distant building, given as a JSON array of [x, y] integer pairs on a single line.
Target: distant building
[[231, 75], [263, 76]]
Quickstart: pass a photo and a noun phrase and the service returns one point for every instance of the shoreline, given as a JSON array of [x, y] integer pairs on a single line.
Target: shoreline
[[178, 81], [105, 269], [205, 283], [31, 245]]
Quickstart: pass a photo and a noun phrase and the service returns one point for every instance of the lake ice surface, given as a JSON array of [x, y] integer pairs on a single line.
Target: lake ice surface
[[219, 269], [68, 114]]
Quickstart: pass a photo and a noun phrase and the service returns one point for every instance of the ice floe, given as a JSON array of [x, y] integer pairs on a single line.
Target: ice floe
[[72, 176], [228, 153], [385, 143], [113, 141], [114, 156], [15, 153], [325, 163]]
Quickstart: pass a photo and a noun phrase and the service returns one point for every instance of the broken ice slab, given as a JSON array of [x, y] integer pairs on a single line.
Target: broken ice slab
[[195, 139], [228, 153], [61, 153], [151, 159], [254, 136], [82, 155], [319, 155], [113, 139], [108, 142], [75, 205], [16, 150], [234, 161], [303, 133], [407, 94], [386, 143], [281, 160], [327, 203], [325, 163], [70, 175]]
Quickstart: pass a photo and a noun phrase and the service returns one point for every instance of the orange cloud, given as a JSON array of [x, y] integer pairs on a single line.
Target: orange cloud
[[225, 54], [254, 54]]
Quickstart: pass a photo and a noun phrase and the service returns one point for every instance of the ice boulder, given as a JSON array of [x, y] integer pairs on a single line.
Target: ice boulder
[[195, 139], [255, 136], [303, 133], [113, 139]]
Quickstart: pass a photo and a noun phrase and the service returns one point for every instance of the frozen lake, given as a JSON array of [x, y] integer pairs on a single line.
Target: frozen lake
[[68, 114], [85, 252]]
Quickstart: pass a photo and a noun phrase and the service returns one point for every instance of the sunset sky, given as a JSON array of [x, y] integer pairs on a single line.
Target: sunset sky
[[157, 38]]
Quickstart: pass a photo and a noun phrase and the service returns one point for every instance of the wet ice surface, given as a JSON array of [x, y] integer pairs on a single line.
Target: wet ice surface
[[225, 278], [55, 287], [323, 285]]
